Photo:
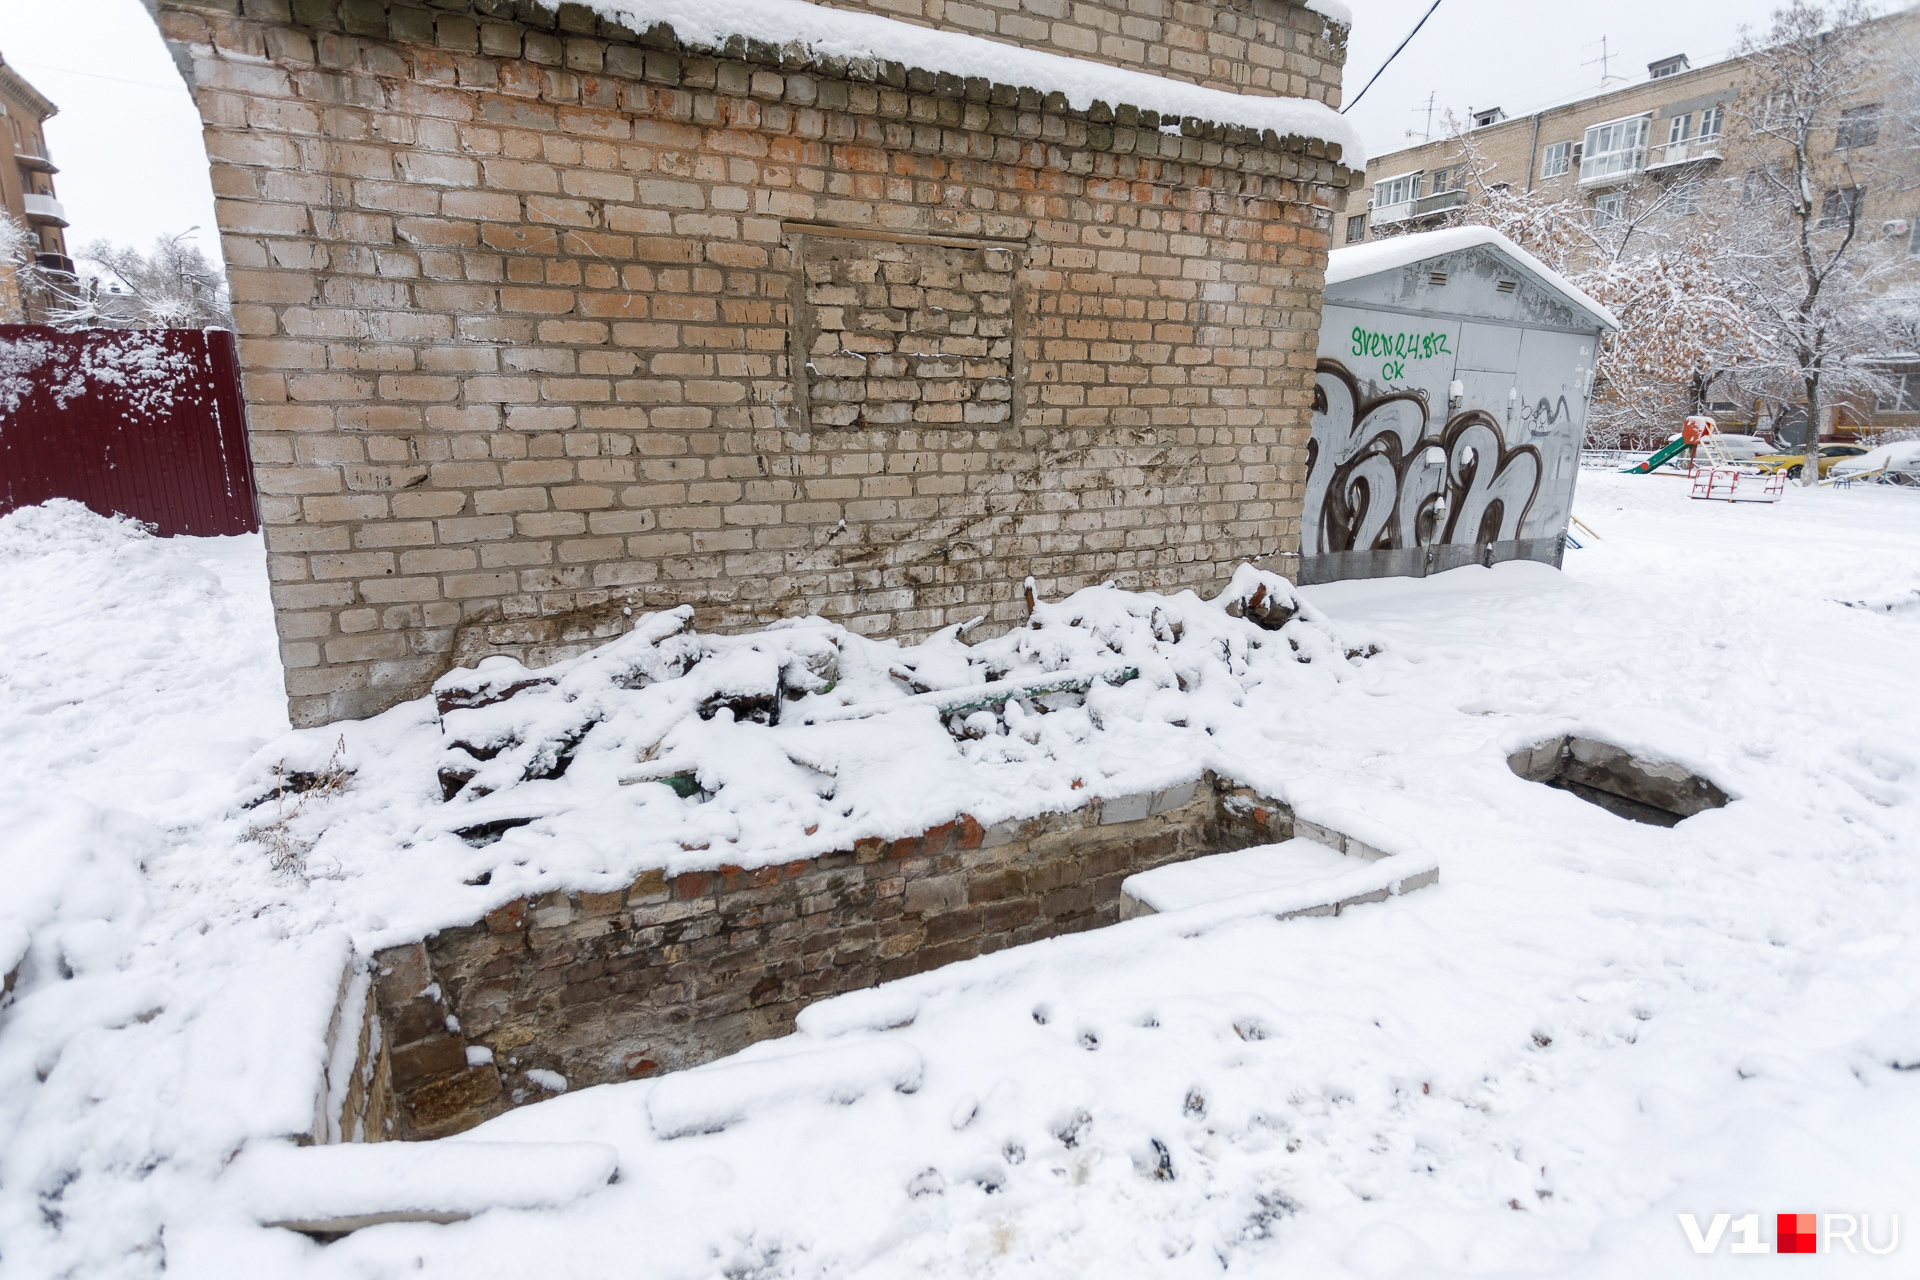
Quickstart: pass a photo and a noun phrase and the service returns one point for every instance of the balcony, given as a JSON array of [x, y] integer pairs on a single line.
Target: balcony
[[1414, 210], [27, 158], [1692, 151], [1611, 170], [58, 262], [41, 208]]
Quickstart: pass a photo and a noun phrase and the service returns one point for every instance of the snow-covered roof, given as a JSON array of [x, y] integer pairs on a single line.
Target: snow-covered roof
[[1396, 252], [838, 33]]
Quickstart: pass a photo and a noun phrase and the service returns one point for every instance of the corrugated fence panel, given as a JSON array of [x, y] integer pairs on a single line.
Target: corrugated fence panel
[[145, 423]]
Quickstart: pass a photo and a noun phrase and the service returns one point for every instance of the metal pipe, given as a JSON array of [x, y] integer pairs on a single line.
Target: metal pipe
[[1533, 150]]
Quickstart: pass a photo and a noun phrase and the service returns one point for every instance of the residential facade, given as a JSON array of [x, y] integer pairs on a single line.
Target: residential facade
[[1668, 127], [1674, 128], [26, 186]]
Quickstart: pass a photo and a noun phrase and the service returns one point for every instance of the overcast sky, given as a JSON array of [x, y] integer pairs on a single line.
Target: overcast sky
[[127, 139]]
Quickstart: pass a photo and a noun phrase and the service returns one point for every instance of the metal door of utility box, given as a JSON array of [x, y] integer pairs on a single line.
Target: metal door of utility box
[[1449, 407]]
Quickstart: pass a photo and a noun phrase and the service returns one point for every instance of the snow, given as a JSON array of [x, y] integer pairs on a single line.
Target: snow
[[1901, 455], [655, 752], [144, 372], [708, 1101], [1276, 879], [279, 1182], [1395, 252], [1584, 1029], [818, 32]]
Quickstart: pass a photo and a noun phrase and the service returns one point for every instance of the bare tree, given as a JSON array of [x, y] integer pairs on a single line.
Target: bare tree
[[173, 287], [1804, 264]]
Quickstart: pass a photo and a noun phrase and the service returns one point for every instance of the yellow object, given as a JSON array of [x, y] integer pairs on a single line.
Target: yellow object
[[1795, 463]]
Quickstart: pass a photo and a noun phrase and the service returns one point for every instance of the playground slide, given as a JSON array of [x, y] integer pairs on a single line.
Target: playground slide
[[1665, 455]]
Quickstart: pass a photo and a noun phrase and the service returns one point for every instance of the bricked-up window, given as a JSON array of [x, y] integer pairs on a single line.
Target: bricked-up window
[[906, 334]]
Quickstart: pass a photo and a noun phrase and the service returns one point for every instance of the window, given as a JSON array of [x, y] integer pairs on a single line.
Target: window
[[1842, 205], [1609, 208], [1859, 127], [1401, 190], [1775, 110], [1680, 129], [1913, 240], [1616, 148], [1710, 121], [1555, 162], [1356, 228], [1751, 188], [1902, 395], [1685, 196]]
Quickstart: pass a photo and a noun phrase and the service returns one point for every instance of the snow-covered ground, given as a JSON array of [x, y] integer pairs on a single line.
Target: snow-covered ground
[[1587, 1028]]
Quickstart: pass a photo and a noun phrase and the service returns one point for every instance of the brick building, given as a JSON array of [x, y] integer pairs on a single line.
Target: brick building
[[547, 320], [26, 186]]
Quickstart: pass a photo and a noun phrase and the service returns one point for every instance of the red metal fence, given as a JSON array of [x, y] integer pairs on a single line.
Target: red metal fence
[[146, 423]]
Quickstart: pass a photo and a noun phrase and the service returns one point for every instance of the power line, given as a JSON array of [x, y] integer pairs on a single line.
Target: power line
[[1390, 57], [95, 75]]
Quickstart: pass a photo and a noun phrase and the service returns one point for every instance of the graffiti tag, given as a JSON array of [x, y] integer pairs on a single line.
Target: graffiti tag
[[1397, 349], [1380, 478]]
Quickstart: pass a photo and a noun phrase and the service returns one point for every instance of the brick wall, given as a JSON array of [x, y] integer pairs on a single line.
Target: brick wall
[[520, 305], [1274, 47], [675, 971]]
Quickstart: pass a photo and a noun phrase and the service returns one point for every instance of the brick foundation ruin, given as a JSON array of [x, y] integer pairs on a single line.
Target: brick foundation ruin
[[546, 322], [678, 970]]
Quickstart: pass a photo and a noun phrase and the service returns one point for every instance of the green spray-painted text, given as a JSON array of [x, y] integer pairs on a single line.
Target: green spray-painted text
[[1400, 346]]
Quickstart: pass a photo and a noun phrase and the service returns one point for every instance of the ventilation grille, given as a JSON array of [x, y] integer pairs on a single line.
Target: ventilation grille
[[1436, 278], [1509, 286]]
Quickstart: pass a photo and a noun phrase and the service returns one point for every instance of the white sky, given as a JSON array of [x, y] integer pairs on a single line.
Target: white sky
[[1521, 55], [127, 139]]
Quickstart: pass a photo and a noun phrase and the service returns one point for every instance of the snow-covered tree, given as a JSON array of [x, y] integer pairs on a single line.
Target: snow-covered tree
[[173, 287], [1805, 266], [1653, 260], [17, 270]]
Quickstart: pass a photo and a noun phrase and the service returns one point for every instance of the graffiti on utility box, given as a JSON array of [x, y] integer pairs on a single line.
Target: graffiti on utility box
[[1386, 482], [1398, 348], [1449, 405]]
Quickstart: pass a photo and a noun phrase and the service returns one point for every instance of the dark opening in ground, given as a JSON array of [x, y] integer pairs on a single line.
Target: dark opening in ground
[[1622, 784]]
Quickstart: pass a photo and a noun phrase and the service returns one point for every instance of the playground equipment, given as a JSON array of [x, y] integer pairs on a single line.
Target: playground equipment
[[1725, 484], [1721, 478], [1699, 434]]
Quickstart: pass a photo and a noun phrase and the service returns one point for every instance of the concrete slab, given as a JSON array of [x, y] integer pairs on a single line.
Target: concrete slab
[[1300, 876]]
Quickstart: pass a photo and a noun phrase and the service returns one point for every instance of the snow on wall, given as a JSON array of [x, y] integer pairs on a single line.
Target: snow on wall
[[147, 374], [833, 33]]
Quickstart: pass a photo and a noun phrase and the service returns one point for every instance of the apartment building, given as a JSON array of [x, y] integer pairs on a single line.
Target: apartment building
[[1674, 127], [1670, 126], [26, 185]]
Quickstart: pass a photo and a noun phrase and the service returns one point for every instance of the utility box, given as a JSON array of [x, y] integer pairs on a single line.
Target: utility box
[[1449, 407]]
